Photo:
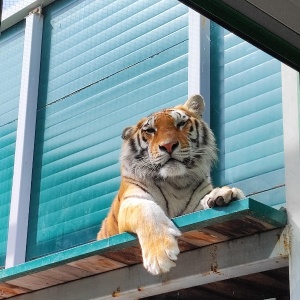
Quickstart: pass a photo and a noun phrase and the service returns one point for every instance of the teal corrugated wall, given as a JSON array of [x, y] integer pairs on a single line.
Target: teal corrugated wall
[[246, 114], [11, 52], [104, 65]]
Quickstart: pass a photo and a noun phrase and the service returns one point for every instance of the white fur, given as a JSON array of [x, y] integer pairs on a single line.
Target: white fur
[[172, 169], [157, 235]]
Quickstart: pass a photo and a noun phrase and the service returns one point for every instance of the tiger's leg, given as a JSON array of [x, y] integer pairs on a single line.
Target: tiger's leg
[[221, 197], [156, 232]]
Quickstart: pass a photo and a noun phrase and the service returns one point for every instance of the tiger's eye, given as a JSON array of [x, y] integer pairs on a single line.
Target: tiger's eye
[[181, 124], [150, 130]]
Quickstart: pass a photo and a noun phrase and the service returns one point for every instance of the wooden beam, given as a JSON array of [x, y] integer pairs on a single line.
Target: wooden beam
[[221, 261]]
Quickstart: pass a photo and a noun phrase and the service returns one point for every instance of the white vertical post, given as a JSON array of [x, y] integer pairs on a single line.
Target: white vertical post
[[20, 198], [199, 58], [194, 53], [291, 127]]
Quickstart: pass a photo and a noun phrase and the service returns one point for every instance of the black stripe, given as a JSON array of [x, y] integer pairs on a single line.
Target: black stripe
[[188, 203], [197, 130], [139, 140], [204, 134], [190, 164], [133, 145], [144, 139], [141, 151], [178, 113], [132, 181], [186, 161], [167, 203], [204, 195]]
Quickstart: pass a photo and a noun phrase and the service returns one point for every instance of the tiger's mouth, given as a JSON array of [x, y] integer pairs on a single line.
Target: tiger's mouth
[[172, 160], [172, 167]]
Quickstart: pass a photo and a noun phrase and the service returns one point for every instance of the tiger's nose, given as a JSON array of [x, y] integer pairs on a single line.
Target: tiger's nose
[[169, 147]]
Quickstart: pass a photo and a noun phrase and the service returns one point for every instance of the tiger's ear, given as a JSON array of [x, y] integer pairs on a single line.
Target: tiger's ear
[[195, 104], [127, 133]]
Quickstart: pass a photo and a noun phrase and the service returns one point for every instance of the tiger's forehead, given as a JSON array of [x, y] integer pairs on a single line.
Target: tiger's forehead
[[176, 114]]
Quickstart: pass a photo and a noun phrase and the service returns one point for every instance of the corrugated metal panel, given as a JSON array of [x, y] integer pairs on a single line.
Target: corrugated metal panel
[[11, 51], [110, 63], [247, 117]]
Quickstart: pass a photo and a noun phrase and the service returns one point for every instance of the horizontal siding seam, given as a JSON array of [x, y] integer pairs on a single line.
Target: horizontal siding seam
[[102, 79], [241, 72], [89, 98], [252, 115], [108, 40], [254, 144], [88, 146], [108, 65], [120, 85], [266, 190], [252, 81], [8, 123], [75, 24], [252, 161], [55, 135]]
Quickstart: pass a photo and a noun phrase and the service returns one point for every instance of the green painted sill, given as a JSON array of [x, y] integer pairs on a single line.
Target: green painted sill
[[197, 220]]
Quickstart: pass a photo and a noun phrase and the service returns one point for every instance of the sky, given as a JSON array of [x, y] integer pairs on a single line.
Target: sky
[[9, 3]]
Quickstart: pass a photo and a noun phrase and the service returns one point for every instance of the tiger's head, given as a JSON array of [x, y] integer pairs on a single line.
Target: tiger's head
[[170, 143]]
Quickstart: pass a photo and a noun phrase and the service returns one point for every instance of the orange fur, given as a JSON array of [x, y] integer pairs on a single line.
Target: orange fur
[[110, 224]]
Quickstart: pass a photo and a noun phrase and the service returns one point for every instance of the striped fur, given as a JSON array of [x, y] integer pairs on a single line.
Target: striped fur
[[166, 160]]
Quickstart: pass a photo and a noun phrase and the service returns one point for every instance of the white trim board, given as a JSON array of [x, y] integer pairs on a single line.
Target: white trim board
[[21, 10], [199, 59], [21, 186], [291, 129]]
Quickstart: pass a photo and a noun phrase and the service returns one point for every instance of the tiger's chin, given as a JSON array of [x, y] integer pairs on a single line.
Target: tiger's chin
[[172, 169]]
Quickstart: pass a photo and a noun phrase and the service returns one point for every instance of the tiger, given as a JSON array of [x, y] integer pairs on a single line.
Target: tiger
[[166, 159]]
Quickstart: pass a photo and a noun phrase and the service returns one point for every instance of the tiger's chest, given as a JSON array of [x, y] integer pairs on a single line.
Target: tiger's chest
[[175, 199]]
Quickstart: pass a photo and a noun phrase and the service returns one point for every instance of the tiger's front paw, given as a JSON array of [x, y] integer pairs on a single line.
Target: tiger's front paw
[[222, 196], [160, 248]]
